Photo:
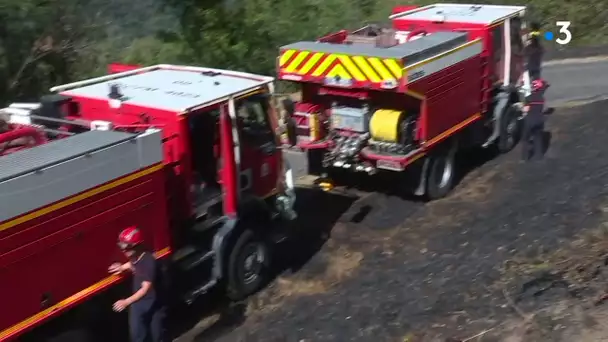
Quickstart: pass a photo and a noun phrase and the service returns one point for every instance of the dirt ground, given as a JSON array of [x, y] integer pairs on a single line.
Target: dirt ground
[[517, 253]]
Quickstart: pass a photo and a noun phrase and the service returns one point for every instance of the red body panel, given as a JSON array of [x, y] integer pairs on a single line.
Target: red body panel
[[38, 255], [176, 149], [452, 96], [399, 9], [115, 68], [337, 37], [229, 176]]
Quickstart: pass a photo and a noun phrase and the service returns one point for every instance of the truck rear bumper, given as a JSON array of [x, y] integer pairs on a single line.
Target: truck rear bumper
[[390, 162]]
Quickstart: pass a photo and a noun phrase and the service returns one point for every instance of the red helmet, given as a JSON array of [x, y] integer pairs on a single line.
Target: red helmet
[[129, 237], [538, 84]]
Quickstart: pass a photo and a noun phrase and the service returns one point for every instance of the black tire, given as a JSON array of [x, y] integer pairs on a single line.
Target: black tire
[[440, 176], [510, 130], [315, 161], [241, 281]]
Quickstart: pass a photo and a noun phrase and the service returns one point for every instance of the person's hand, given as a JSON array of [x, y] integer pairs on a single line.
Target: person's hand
[[120, 305], [115, 268]]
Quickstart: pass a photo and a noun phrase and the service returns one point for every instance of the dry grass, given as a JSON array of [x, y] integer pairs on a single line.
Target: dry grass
[[480, 190], [579, 263], [582, 265], [341, 263]]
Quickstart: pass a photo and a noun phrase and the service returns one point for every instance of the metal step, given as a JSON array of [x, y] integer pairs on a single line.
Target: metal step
[[188, 257], [204, 225], [183, 253], [201, 209], [204, 198]]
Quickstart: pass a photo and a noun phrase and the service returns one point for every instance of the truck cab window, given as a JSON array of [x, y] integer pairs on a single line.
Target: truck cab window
[[252, 116], [497, 41]]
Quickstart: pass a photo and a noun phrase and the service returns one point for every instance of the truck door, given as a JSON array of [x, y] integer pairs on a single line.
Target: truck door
[[498, 52], [507, 50], [259, 146], [517, 48]]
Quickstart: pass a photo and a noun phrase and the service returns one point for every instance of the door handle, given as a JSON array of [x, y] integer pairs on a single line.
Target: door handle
[[46, 301]]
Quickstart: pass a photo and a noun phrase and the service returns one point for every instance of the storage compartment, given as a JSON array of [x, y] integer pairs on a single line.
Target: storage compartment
[[350, 119]]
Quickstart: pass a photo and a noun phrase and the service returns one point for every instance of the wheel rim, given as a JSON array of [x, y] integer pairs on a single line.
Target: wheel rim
[[446, 172], [252, 262]]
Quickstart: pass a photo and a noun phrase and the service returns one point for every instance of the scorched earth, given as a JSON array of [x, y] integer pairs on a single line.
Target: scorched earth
[[498, 259]]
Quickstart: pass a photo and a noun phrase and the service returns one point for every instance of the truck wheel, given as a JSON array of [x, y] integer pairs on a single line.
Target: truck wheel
[[315, 161], [509, 130], [440, 177], [247, 266]]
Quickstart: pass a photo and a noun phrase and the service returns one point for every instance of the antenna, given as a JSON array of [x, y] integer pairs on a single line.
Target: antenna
[[115, 92], [115, 97]]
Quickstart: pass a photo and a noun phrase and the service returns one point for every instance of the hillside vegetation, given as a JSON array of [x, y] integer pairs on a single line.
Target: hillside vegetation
[[45, 42]]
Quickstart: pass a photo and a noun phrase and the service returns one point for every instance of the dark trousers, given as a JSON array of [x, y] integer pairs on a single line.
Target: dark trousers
[[147, 323], [532, 139], [534, 73]]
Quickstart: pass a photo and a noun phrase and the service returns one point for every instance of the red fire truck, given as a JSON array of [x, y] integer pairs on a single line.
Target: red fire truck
[[407, 96], [188, 154]]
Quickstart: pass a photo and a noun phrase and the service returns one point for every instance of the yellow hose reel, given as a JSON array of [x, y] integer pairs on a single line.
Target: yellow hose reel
[[384, 125]]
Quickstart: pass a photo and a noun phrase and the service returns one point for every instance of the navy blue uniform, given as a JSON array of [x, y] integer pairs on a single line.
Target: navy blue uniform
[[534, 55], [146, 316], [534, 125]]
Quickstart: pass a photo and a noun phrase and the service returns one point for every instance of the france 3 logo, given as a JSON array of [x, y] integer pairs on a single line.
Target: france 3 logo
[[564, 35]]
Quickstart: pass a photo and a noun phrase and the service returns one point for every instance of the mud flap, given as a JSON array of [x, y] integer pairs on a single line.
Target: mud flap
[[285, 203], [219, 244], [421, 188]]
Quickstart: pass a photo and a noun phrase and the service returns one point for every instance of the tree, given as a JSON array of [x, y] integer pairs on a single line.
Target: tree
[[39, 40]]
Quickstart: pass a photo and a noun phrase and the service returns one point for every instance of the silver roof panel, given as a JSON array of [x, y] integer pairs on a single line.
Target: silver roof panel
[[411, 52], [57, 151], [50, 173], [169, 89], [467, 13]]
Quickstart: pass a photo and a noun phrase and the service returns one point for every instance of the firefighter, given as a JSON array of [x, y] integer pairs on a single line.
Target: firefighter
[[534, 122], [146, 308], [534, 52]]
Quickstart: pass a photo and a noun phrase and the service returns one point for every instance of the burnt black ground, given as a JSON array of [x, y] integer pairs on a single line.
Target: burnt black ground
[[429, 270]]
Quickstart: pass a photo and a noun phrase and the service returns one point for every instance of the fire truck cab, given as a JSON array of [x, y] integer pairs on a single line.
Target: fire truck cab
[[188, 154], [435, 79]]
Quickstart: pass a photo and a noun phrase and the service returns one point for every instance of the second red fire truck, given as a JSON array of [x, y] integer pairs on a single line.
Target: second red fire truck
[[408, 96]]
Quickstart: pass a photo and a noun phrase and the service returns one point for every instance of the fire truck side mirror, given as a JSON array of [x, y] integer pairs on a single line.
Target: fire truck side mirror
[[289, 121]]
